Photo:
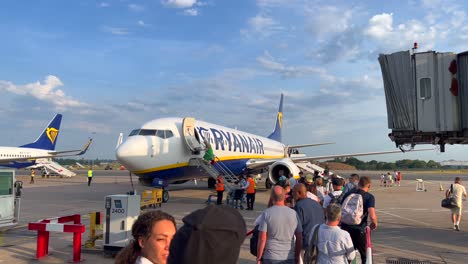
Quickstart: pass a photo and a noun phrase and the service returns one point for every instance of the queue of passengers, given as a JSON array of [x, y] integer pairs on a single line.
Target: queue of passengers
[[296, 221]]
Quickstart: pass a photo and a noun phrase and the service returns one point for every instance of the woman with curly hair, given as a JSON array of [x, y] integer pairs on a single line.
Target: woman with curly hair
[[152, 234]]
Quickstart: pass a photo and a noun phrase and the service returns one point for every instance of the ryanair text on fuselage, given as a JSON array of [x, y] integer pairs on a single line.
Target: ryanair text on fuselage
[[235, 142]]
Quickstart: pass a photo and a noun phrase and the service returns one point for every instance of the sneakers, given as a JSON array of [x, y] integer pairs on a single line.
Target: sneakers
[[456, 227]]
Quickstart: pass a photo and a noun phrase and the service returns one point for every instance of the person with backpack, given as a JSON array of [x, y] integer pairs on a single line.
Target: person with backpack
[[357, 206], [352, 184], [334, 197]]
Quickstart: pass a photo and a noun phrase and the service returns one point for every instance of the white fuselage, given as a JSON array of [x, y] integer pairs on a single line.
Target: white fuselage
[[7, 154], [164, 154]]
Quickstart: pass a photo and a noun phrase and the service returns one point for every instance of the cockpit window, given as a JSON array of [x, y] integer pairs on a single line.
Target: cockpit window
[[134, 132], [152, 132], [147, 132]]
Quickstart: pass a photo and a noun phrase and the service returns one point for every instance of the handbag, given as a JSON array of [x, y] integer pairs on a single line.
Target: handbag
[[449, 202]]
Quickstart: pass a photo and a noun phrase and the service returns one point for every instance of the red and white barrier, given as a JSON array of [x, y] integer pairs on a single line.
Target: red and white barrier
[[369, 246], [45, 226]]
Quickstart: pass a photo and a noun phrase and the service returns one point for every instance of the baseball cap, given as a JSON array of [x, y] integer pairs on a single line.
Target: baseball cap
[[309, 178]]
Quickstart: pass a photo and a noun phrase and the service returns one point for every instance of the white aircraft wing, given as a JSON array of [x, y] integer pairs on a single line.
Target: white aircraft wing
[[260, 163]]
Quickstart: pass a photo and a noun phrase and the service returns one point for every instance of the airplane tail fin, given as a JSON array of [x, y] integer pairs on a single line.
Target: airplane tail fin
[[276, 135], [48, 138]]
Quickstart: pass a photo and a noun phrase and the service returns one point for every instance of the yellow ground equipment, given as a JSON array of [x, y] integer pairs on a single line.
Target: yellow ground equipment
[[151, 198]]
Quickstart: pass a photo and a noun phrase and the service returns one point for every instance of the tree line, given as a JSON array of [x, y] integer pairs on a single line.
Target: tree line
[[382, 165]]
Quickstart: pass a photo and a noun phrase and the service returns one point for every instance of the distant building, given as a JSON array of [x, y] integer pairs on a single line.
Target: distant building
[[454, 163]]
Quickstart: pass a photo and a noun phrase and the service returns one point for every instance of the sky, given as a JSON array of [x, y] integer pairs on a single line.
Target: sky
[[111, 66]]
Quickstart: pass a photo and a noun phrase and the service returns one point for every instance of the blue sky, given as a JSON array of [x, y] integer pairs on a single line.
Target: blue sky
[[110, 66]]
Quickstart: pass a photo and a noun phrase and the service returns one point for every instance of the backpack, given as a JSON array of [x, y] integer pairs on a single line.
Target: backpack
[[311, 252], [336, 199], [352, 209], [254, 241]]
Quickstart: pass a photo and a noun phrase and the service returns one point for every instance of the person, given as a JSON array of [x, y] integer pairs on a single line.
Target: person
[[358, 232], [320, 189], [208, 157], [336, 195], [90, 176], [213, 234], [329, 185], [456, 190], [219, 189], [33, 174], [352, 184], [389, 180], [243, 185], [309, 211], [382, 180], [277, 227], [316, 175], [312, 189], [250, 190], [152, 234], [292, 180], [302, 178], [334, 245], [399, 178]]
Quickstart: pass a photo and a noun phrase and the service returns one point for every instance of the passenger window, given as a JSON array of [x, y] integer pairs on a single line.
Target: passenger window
[[425, 88]]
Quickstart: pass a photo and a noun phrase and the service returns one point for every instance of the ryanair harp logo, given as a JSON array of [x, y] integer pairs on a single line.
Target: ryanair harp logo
[[280, 119], [52, 134]]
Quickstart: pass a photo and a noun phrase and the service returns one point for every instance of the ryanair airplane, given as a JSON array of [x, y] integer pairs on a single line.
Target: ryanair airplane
[[43, 147], [162, 151]]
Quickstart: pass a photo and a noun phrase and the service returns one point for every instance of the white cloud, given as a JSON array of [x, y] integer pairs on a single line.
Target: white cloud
[[328, 20], [179, 3], [269, 63], [136, 8], [142, 23], [116, 31], [104, 4], [380, 26], [46, 92], [191, 12], [261, 26]]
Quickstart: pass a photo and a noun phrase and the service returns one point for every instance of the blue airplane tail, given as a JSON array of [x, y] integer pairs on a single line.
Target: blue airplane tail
[[48, 138], [276, 135]]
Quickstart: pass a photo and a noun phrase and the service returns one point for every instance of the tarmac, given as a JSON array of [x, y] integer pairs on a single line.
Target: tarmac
[[413, 228]]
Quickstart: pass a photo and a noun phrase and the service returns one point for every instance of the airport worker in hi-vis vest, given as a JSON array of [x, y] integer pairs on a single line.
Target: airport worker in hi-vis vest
[[250, 192], [33, 173], [90, 176], [219, 189]]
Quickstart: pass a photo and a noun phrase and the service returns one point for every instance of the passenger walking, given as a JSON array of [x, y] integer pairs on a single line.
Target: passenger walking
[[292, 181], [312, 189], [309, 211], [277, 227], [367, 207], [334, 197], [320, 189], [152, 234], [33, 174], [219, 189], [352, 184], [90, 176], [213, 234], [456, 191], [251, 189], [334, 245]]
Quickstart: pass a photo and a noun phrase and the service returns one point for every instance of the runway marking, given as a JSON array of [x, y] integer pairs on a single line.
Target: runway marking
[[404, 218]]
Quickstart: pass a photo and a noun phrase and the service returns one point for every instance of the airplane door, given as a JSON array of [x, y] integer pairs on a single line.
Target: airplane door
[[190, 135]]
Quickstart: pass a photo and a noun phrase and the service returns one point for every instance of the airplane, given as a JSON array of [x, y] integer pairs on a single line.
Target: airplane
[[163, 151], [42, 148]]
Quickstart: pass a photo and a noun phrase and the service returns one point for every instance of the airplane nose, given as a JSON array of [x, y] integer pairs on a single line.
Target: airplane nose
[[132, 148]]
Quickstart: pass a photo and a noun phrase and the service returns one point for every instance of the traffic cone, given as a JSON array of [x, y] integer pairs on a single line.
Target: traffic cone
[[440, 187]]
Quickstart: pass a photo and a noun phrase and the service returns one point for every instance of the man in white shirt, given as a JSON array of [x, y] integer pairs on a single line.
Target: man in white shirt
[[456, 191], [334, 196]]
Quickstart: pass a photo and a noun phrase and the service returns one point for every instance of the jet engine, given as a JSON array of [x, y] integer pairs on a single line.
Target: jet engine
[[286, 165]]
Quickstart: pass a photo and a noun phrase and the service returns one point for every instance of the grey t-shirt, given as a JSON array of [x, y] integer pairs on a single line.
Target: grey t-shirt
[[280, 223]]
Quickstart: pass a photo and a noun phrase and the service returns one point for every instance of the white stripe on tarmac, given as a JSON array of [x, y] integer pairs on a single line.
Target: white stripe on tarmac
[[404, 218]]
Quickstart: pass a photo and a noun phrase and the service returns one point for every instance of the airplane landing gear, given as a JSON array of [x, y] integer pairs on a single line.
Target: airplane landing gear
[[211, 183], [268, 183], [165, 196]]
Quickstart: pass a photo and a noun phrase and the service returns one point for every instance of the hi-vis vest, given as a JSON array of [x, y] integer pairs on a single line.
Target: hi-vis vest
[[219, 184], [90, 173], [33, 173], [251, 188]]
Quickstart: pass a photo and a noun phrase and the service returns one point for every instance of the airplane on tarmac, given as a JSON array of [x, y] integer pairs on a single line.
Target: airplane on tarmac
[[162, 151], [43, 147]]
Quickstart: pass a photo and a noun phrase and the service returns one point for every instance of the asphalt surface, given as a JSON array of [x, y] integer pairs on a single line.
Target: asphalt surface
[[412, 224]]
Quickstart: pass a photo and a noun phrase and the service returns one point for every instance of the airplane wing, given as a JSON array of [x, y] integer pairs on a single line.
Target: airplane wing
[[309, 145], [52, 154], [260, 163]]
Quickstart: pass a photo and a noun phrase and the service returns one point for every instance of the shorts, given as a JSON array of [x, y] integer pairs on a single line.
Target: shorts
[[456, 211]]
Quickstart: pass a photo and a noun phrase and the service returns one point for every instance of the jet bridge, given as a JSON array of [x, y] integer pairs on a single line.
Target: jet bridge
[[427, 97]]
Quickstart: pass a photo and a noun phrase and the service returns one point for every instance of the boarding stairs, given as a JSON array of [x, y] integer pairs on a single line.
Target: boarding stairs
[[309, 167], [52, 168], [215, 170]]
